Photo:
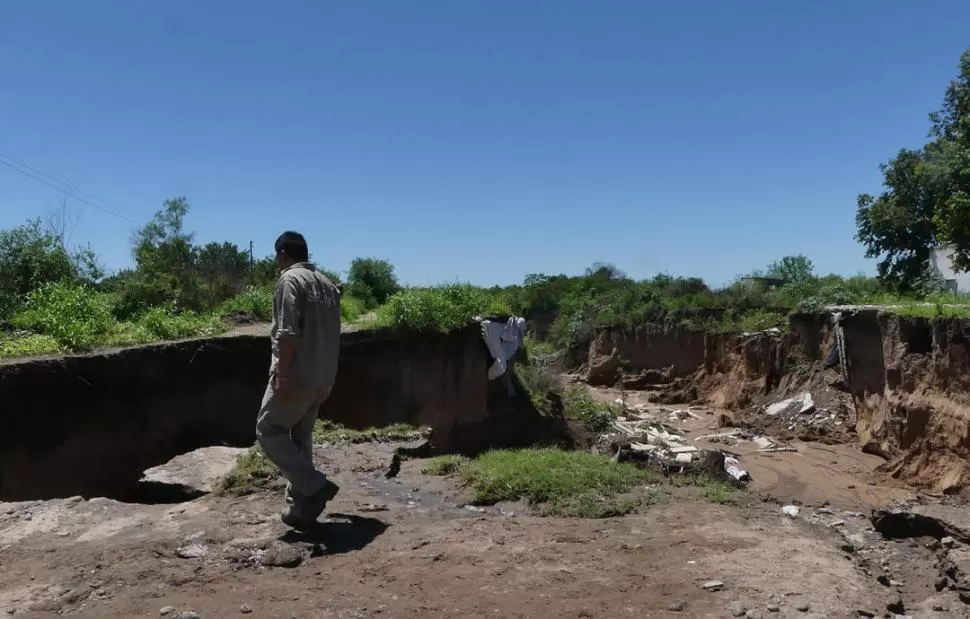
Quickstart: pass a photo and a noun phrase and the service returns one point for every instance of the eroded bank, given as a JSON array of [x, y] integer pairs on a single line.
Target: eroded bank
[[90, 424]]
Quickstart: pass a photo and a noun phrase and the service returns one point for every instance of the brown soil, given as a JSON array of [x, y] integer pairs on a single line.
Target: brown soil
[[408, 547]]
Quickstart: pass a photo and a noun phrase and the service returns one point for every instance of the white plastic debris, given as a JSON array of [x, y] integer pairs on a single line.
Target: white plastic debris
[[733, 467], [763, 441], [801, 404], [791, 511]]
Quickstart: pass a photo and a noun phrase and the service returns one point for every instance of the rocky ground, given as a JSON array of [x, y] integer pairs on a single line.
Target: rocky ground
[[804, 543]]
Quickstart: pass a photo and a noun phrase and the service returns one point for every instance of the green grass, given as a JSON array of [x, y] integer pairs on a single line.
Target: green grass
[[572, 483], [443, 465], [325, 431], [253, 471], [711, 490], [26, 344], [579, 405], [255, 300], [558, 483]]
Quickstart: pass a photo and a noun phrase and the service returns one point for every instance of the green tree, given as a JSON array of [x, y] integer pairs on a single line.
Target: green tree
[[30, 258], [926, 202], [951, 128], [372, 281], [792, 269], [899, 227]]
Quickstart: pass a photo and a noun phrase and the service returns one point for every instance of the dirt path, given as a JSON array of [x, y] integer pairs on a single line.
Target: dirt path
[[409, 546]]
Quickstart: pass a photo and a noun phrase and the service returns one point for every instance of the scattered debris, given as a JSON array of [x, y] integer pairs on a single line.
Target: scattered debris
[[801, 405], [733, 467], [192, 551], [791, 511], [713, 585]]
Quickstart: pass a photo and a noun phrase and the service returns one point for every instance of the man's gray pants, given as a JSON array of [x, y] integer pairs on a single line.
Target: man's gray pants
[[284, 430]]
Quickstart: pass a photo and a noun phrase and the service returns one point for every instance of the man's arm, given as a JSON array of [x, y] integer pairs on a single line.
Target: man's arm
[[289, 329]]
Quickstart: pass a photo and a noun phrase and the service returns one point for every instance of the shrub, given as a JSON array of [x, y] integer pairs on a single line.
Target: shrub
[[74, 315], [580, 405], [351, 308], [444, 308], [163, 324], [372, 281], [255, 300]]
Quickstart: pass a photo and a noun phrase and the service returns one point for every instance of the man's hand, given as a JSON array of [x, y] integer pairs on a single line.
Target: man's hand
[[281, 385]]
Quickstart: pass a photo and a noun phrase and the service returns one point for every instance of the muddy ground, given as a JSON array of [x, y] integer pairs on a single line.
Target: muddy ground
[[410, 546]]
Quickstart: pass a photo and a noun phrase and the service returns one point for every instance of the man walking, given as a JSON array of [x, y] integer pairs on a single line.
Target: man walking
[[305, 347]]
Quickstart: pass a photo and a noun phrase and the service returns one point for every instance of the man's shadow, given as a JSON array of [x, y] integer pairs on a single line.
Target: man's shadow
[[338, 534]]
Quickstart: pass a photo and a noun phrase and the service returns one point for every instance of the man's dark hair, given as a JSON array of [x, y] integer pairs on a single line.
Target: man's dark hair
[[293, 245]]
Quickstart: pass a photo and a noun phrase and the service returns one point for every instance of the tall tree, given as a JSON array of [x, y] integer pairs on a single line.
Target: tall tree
[[951, 128], [899, 227], [793, 269], [926, 202]]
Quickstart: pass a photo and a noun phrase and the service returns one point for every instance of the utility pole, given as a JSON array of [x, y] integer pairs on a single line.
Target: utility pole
[[251, 261]]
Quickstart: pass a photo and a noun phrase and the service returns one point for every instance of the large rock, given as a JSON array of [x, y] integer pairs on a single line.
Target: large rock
[[193, 473]]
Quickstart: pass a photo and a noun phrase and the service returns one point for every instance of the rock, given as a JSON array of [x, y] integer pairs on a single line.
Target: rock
[[803, 608], [932, 520], [166, 610], [189, 614], [773, 608], [677, 607], [279, 554], [865, 613], [753, 614], [940, 608], [193, 473], [245, 609], [604, 369], [791, 511], [713, 585], [736, 609], [192, 551], [948, 541], [883, 580]]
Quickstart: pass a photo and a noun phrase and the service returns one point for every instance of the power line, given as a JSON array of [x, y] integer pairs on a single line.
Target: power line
[[48, 180]]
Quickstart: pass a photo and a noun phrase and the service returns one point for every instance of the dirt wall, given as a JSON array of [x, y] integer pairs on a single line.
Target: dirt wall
[[91, 424], [913, 397], [614, 351], [908, 385]]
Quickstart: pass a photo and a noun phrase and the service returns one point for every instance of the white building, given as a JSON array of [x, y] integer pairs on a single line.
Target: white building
[[956, 282]]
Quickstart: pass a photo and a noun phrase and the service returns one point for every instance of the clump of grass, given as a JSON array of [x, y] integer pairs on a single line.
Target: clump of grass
[[351, 308], [25, 344], [557, 482], [444, 465], [538, 382], [579, 404], [253, 471], [163, 324], [711, 490], [326, 431], [255, 300]]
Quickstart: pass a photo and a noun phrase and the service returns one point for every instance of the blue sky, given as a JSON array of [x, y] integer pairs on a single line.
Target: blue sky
[[476, 140]]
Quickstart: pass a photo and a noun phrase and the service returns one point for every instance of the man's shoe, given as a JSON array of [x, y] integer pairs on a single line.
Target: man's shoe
[[292, 519], [314, 505]]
